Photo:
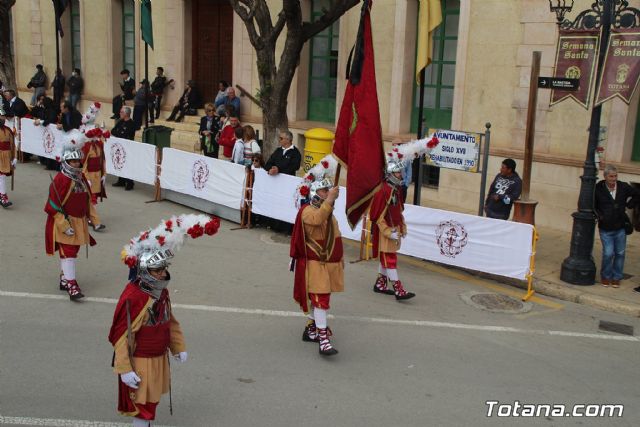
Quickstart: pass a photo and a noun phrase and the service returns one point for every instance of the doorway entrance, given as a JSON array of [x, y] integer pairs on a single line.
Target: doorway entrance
[[212, 45]]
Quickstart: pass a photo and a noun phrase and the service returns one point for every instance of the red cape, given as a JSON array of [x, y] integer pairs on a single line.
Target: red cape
[[137, 301], [298, 251]]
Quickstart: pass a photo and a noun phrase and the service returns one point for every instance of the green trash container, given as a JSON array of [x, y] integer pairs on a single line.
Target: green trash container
[[160, 136]]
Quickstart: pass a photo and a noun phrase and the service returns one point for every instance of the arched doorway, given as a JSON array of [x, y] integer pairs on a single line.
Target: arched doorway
[[212, 24]]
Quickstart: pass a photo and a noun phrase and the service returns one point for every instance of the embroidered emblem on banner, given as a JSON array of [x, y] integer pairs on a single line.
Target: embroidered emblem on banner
[[451, 237], [118, 156], [200, 174], [48, 141]]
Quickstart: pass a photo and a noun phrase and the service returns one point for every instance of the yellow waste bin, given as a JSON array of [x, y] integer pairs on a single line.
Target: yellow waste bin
[[318, 144]]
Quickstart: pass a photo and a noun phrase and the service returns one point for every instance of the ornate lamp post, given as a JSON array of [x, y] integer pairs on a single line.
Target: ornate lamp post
[[579, 267]]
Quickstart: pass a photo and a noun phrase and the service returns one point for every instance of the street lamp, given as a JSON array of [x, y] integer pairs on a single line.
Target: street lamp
[[560, 7], [579, 268]]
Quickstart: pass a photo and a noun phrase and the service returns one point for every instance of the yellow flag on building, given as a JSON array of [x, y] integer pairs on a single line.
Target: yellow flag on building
[[429, 18]]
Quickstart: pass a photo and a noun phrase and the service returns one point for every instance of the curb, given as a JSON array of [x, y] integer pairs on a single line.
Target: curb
[[555, 290], [564, 293]]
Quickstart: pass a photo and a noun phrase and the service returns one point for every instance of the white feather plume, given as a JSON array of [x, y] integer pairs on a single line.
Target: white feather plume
[[169, 234]]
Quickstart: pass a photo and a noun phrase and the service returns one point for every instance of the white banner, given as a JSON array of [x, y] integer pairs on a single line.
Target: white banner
[[217, 181], [477, 243], [457, 150], [40, 140], [483, 244], [274, 197], [131, 159]]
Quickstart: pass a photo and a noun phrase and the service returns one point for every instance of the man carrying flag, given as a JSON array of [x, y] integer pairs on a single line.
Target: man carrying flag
[[388, 227], [358, 142]]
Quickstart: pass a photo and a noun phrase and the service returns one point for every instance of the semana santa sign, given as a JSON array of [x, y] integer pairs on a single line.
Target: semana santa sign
[[457, 150], [576, 58], [621, 70]]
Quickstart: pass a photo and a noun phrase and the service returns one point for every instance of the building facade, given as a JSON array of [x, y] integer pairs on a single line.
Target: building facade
[[480, 73]]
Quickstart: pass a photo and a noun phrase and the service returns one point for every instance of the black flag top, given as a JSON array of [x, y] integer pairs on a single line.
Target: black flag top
[[59, 6]]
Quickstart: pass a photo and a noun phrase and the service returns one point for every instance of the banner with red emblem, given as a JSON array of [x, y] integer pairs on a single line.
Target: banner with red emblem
[[576, 58], [621, 71]]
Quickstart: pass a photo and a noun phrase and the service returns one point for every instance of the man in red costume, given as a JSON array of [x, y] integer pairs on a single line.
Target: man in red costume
[[316, 249], [388, 230], [67, 209], [8, 159], [144, 329], [95, 171]]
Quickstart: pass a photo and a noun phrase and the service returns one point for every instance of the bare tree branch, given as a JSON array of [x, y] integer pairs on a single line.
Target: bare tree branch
[[310, 29], [246, 11], [277, 29]]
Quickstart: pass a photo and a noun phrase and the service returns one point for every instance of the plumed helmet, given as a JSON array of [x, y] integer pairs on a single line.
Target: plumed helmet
[[324, 183], [153, 260], [316, 178], [71, 149], [153, 248], [394, 166]]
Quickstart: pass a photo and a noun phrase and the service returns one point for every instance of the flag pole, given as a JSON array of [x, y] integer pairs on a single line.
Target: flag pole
[[55, 25], [417, 185], [146, 84]]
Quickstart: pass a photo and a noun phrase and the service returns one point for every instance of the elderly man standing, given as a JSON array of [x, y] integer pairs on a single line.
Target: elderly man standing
[[124, 128], [612, 197], [286, 159], [230, 99]]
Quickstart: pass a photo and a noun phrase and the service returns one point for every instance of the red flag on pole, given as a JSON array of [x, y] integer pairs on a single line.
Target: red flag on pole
[[358, 141]]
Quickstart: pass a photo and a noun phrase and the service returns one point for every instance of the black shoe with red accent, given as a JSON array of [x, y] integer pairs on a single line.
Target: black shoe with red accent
[[74, 291], [325, 348], [63, 283], [400, 293], [380, 287], [4, 201], [310, 333]]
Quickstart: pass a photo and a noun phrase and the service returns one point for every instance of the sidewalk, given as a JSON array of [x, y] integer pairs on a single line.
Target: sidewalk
[[553, 248]]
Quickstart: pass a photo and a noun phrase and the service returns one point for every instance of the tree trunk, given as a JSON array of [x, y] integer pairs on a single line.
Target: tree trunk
[[7, 69], [274, 121]]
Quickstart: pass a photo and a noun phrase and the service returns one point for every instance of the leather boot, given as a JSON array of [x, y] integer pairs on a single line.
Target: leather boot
[[401, 294], [380, 286]]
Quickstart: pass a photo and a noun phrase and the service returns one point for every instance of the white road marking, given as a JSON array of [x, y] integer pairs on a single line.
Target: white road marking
[[281, 313], [51, 422]]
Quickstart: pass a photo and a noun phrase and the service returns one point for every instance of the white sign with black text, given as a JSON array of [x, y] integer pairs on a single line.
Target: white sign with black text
[[456, 150]]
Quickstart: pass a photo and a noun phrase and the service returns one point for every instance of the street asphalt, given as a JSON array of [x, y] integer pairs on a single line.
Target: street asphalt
[[432, 361]]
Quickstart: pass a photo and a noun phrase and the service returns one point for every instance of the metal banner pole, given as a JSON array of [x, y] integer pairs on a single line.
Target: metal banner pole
[[417, 185], [485, 162]]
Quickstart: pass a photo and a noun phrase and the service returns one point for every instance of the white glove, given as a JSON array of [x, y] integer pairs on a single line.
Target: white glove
[[69, 231], [14, 162], [394, 235], [181, 357], [131, 379], [103, 179]]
